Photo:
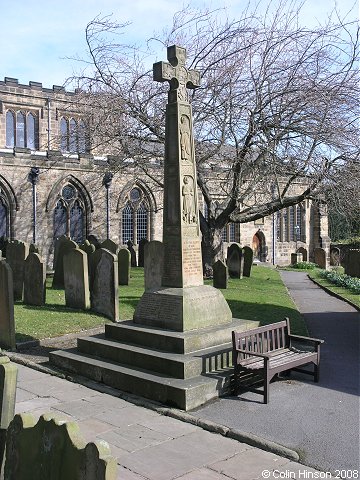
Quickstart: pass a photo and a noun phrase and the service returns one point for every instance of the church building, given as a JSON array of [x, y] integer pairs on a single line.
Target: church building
[[53, 183]]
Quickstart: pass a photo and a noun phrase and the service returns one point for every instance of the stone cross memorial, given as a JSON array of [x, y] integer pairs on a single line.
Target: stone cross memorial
[[184, 302]]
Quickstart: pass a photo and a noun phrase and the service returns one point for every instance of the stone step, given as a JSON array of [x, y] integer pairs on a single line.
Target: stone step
[[176, 342], [184, 394], [172, 364]]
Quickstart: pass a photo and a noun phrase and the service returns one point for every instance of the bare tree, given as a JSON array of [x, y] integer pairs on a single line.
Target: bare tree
[[275, 116]]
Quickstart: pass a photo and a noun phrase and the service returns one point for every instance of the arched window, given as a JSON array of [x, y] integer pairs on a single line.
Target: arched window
[[4, 226], [21, 130], [127, 224], [69, 215], [135, 217], [10, 129], [63, 135]]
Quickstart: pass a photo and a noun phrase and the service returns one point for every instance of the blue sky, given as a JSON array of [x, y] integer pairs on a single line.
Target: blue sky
[[36, 37]]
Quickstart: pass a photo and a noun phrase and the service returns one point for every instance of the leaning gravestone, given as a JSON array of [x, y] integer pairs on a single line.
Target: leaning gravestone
[[248, 260], [142, 244], [235, 260], [7, 324], [76, 279], [104, 293], [124, 264], [88, 248], [304, 253], [320, 257], [62, 246], [220, 275], [52, 449], [34, 280], [16, 253], [110, 245], [153, 264]]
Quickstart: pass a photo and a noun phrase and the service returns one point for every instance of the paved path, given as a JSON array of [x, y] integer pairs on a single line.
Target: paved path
[[148, 445], [320, 421]]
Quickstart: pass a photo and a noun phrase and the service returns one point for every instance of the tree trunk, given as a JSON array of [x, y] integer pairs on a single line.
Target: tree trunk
[[212, 249]]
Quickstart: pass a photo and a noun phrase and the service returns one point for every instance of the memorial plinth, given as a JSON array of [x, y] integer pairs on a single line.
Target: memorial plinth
[[177, 349], [183, 303]]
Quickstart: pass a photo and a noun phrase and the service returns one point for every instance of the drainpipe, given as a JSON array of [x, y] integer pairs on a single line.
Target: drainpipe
[[107, 183], [33, 178]]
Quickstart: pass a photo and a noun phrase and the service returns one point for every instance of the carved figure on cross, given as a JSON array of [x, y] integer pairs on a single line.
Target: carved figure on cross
[[176, 74]]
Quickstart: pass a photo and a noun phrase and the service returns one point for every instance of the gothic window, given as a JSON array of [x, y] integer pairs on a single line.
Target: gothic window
[[135, 217], [69, 215], [21, 130], [73, 136], [291, 224], [3, 219]]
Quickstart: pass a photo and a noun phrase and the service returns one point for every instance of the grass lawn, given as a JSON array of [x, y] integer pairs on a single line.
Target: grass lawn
[[343, 292], [261, 297]]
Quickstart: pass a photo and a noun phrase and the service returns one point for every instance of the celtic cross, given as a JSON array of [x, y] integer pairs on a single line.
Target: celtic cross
[[176, 74]]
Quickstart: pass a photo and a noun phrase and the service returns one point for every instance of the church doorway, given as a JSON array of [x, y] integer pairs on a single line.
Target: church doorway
[[259, 246]]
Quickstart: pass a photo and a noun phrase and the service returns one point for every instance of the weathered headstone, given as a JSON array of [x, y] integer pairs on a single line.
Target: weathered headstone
[[220, 275], [124, 264], [235, 260], [153, 264], [296, 258], [248, 260], [8, 379], [142, 244], [335, 256], [16, 253], [94, 241], [34, 248], [110, 245], [352, 263], [7, 324], [183, 302], [52, 449], [104, 293], [320, 257], [304, 253], [62, 246], [34, 280], [131, 249], [76, 279], [89, 249]]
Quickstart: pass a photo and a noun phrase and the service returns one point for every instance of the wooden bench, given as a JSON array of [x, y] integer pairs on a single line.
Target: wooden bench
[[261, 353]]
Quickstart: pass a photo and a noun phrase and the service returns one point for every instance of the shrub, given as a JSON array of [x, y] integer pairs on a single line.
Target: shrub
[[342, 280], [305, 265]]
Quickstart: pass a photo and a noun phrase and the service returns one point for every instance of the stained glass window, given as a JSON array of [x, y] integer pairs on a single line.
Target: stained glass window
[[3, 219], [141, 222], [127, 224], [10, 129]]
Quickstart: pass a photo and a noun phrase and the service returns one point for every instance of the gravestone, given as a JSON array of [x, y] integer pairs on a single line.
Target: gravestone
[[248, 260], [352, 263], [335, 256], [94, 241], [235, 261], [304, 253], [88, 248], [16, 253], [33, 248], [142, 244], [104, 293], [34, 280], [320, 257], [131, 249], [220, 275], [76, 279], [183, 302], [124, 265], [52, 449], [153, 264], [110, 245], [296, 258], [7, 324], [8, 379], [62, 246]]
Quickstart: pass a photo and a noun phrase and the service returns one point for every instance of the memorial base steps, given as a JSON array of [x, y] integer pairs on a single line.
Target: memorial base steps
[[134, 365]]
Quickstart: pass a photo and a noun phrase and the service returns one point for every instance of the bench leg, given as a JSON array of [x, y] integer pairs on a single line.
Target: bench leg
[[316, 373], [266, 391]]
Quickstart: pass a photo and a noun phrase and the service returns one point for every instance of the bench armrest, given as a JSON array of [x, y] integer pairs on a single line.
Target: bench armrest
[[306, 339], [255, 354]]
